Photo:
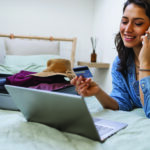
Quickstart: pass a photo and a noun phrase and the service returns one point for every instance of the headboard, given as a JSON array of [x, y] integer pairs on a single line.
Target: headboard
[[33, 40]]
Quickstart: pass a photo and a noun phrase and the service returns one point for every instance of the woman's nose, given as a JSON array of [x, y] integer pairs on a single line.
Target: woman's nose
[[129, 27]]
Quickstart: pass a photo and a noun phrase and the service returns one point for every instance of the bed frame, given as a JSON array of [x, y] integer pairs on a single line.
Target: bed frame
[[51, 38]]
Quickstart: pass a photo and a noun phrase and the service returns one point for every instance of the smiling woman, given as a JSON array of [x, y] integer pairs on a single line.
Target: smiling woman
[[131, 84], [134, 17]]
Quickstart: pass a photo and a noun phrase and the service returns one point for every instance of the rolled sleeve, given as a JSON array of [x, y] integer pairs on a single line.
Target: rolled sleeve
[[145, 86], [120, 94], [119, 91]]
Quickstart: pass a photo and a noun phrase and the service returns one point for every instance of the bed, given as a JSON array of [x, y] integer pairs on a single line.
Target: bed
[[18, 134]]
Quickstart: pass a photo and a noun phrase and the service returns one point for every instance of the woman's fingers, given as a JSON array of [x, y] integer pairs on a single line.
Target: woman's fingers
[[84, 90], [74, 80], [82, 84], [79, 81]]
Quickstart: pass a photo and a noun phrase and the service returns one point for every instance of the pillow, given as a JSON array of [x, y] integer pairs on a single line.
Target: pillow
[[39, 60], [2, 51], [31, 47], [36, 63], [12, 69]]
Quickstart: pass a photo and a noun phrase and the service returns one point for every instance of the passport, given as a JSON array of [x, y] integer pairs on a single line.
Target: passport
[[83, 71]]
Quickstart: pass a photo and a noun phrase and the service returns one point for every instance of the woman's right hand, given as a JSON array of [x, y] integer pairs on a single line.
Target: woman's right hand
[[85, 86]]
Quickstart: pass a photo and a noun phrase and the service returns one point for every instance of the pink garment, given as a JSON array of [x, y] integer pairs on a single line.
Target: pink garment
[[50, 87], [23, 79]]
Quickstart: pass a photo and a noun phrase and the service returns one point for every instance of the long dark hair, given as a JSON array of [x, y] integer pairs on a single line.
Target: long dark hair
[[124, 52]]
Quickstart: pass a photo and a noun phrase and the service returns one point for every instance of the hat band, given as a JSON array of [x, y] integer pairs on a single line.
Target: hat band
[[70, 74]]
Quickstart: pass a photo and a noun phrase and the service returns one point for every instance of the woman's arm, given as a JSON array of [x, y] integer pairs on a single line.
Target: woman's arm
[[119, 97], [144, 75], [87, 87], [106, 101], [144, 60]]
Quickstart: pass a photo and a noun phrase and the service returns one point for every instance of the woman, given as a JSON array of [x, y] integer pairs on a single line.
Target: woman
[[131, 68]]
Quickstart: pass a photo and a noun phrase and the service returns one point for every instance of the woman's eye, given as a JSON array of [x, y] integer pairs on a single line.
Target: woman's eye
[[138, 24], [124, 22]]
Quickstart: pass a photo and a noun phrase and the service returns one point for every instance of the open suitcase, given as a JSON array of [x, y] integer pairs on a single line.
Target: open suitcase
[[5, 99]]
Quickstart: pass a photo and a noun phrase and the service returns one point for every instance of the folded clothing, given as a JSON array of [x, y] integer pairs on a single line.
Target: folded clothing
[[51, 87], [24, 79]]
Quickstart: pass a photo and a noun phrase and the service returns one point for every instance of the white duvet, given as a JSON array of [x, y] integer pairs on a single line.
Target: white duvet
[[17, 134]]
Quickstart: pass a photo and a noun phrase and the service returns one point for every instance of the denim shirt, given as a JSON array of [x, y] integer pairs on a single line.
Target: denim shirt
[[126, 89]]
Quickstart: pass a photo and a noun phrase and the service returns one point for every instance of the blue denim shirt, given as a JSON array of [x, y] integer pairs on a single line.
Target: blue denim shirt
[[126, 89]]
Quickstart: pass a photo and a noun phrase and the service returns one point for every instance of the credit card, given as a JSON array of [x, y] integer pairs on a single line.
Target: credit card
[[83, 71]]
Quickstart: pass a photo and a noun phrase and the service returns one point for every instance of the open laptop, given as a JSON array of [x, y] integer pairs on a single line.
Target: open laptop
[[66, 112]]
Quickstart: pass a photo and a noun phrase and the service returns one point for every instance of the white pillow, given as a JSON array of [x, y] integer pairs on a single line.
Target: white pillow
[[39, 60], [36, 63], [31, 47], [2, 51]]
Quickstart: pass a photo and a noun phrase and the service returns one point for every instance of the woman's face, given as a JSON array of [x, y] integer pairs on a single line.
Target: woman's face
[[133, 25]]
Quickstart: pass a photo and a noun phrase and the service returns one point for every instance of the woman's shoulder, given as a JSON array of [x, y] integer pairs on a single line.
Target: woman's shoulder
[[116, 63], [115, 66]]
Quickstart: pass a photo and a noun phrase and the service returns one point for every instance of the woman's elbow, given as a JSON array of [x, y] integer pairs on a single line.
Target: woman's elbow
[[147, 113]]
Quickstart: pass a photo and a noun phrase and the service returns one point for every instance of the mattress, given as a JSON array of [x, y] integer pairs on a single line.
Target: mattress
[[18, 134]]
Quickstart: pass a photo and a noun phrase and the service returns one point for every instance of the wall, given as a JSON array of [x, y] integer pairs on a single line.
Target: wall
[[107, 16], [68, 18], [59, 18]]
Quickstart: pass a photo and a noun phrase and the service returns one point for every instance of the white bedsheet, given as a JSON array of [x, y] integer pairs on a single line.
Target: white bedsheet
[[17, 134]]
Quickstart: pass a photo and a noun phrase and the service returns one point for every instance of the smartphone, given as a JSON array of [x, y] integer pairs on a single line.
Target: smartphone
[[148, 35], [83, 71]]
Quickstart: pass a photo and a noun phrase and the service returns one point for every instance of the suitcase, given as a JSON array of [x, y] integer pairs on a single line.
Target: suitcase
[[6, 101]]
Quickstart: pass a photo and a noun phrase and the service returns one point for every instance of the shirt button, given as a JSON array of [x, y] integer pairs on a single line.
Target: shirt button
[[142, 85]]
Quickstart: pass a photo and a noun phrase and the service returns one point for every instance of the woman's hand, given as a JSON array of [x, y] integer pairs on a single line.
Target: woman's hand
[[144, 55], [144, 59], [85, 86]]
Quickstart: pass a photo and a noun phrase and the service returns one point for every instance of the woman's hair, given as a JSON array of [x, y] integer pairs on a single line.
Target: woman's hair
[[124, 52]]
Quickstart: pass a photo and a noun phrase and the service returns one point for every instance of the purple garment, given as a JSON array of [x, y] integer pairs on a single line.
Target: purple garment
[[22, 79], [51, 87]]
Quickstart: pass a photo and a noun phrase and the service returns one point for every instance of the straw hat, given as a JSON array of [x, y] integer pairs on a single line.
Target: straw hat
[[57, 67]]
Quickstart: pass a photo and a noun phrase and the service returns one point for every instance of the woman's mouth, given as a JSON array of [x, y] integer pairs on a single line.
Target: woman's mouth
[[129, 38]]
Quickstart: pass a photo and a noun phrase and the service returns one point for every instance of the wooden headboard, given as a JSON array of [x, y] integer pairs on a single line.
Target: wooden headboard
[[51, 38]]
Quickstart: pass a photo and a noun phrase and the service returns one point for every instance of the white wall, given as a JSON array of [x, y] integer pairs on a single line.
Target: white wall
[[68, 18], [107, 16], [58, 18]]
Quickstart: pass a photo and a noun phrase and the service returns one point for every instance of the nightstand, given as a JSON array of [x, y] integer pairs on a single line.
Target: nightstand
[[94, 64]]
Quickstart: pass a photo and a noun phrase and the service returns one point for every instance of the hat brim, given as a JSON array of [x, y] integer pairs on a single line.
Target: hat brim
[[48, 74]]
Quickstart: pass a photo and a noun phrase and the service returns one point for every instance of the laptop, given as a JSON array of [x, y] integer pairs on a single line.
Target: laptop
[[66, 112]]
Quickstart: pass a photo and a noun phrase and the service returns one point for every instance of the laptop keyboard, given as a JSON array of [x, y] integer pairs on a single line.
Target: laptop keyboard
[[102, 130], [102, 126]]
